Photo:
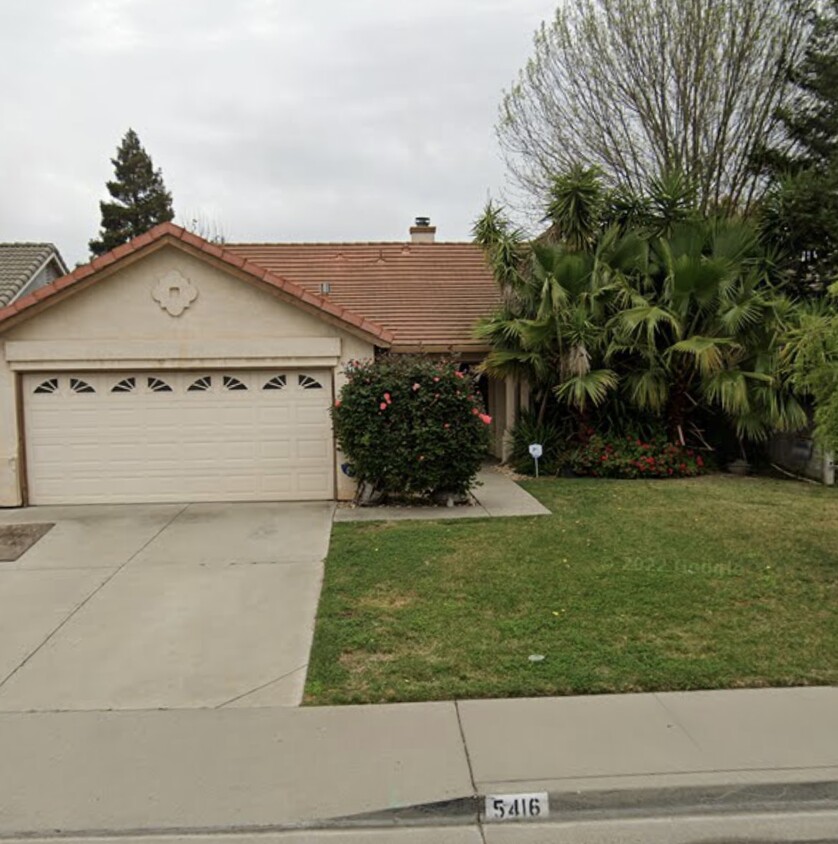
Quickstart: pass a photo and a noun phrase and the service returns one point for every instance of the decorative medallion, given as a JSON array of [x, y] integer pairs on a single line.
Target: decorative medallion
[[174, 293]]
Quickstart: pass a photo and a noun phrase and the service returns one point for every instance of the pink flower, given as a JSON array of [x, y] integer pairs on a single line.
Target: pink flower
[[436, 378], [459, 374], [337, 402], [387, 398], [475, 411], [416, 386], [485, 419], [421, 457], [383, 406], [446, 425]]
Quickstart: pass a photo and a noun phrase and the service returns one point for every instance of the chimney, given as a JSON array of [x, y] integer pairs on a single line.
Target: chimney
[[422, 231]]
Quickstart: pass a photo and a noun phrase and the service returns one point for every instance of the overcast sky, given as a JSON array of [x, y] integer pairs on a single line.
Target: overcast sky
[[277, 119]]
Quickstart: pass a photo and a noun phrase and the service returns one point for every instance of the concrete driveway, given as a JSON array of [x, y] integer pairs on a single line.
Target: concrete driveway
[[161, 606]]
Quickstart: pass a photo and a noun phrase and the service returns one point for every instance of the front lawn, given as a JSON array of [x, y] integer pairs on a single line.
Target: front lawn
[[630, 586]]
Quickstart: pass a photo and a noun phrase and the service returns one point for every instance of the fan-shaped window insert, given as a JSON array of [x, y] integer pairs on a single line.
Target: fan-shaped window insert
[[278, 382], [48, 386], [200, 385], [158, 386], [231, 383], [79, 386], [126, 385], [309, 383]]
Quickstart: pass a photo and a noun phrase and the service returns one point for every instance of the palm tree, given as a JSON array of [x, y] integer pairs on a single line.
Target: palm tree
[[670, 318], [702, 329], [551, 325]]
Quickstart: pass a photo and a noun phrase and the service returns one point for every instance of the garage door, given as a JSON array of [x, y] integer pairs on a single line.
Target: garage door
[[178, 436]]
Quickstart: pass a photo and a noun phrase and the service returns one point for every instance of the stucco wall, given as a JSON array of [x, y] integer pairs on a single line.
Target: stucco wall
[[116, 322]]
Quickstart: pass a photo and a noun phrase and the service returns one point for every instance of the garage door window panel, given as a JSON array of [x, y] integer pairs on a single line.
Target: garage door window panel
[[200, 385], [126, 385], [278, 382]]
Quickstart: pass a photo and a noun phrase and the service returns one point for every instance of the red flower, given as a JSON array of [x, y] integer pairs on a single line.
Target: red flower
[[485, 418], [698, 461], [387, 398], [383, 406]]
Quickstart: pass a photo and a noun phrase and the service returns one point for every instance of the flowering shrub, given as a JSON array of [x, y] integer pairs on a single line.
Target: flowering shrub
[[607, 456], [411, 425]]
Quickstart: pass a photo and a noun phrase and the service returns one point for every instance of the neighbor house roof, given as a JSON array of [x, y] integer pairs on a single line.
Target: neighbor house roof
[[429, 295], [102, 266], [20, 262]]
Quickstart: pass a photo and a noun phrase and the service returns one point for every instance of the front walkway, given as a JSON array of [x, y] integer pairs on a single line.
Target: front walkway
[[496, 495]]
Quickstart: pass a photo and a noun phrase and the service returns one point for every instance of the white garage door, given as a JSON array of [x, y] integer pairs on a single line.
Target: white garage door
[[178, 436]]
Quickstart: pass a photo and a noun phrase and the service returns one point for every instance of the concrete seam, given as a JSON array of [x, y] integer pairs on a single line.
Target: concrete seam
[[646, 774], [477, 819], [263, 686], [58, 568], [92, 595], [76, 835], [676, 720]]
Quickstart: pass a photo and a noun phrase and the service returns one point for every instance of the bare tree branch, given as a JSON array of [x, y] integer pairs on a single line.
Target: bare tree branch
[[638, 87]]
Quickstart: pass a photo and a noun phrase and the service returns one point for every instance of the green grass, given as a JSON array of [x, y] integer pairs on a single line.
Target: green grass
[[712, 582]]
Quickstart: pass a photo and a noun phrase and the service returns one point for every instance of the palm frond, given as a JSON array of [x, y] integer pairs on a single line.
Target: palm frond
[[707, 352], [729, 390], [651, 318], [648, 389], [591, 388]]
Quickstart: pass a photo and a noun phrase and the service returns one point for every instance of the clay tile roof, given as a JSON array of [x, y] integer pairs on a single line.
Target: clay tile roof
[[429, 295], [176, 234], [18, 264]]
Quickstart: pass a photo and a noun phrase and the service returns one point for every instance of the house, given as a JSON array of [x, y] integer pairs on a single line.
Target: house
[[25, 267], [174, 369]]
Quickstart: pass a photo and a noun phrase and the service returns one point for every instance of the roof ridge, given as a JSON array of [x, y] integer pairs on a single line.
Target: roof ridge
[[350, 243], [41, 243]]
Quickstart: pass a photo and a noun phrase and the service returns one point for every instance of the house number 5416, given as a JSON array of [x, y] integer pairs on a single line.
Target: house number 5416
[[516, 807]]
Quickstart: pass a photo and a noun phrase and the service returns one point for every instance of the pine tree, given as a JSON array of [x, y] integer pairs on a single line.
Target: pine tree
[[800, 212], [141, 200], [812, 120]]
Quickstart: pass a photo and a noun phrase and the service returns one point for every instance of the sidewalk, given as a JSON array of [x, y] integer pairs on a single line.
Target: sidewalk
[[266, 770]]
